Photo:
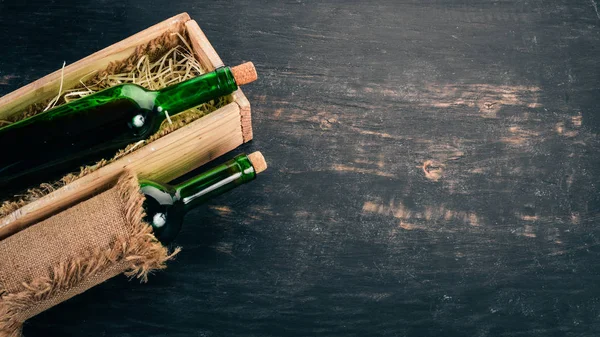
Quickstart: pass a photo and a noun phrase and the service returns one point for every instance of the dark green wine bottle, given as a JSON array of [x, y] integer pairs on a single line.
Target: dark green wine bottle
[[96, 126], [166, 205]]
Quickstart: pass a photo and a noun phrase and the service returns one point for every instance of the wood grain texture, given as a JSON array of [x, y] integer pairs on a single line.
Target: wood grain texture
[[433, 171], [245, 115], [202, 47]]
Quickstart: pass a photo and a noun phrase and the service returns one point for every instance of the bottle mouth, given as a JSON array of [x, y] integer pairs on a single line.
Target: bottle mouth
[[258, 161]]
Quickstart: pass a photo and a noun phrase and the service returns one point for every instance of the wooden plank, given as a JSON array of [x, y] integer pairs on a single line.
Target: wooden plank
[[204, 50], [245, 114], [434, 173], [208, 57], [191, 146], [48, 86]]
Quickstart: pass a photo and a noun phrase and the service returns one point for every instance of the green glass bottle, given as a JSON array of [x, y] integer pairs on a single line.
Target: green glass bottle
[[96, 126], [166, 205]]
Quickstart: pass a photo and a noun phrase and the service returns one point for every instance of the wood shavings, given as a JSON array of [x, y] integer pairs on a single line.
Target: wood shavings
[[62, 80]]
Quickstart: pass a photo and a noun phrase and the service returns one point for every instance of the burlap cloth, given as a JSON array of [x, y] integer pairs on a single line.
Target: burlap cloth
[[69, 253]]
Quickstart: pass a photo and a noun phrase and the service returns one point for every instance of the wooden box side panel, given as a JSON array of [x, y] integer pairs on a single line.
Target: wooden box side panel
[[245, 115], [209, 58], [48, 86], [205, 53]]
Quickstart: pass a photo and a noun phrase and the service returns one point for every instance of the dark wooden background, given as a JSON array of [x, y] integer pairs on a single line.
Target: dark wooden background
[[434, 170]]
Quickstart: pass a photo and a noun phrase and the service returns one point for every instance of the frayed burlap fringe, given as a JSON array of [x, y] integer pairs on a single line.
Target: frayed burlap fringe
[[139, 251]]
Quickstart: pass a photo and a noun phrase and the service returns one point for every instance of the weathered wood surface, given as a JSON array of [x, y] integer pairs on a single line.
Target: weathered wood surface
[[433, 170]]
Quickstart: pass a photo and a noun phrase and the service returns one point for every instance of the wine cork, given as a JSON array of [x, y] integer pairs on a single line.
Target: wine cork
[[258, 162], [244, 73]]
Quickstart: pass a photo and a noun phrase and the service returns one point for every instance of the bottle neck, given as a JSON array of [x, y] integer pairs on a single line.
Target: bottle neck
[[193, 92], [166, 205], [214, 182]]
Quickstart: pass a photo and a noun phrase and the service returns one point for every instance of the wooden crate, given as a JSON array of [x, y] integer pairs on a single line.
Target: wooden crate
[[184, 149]]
